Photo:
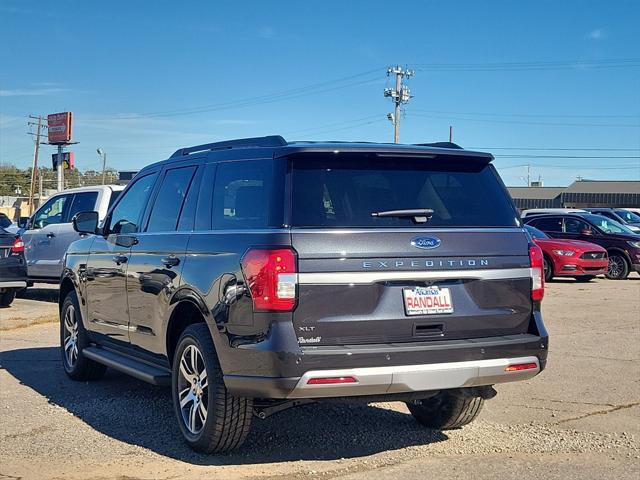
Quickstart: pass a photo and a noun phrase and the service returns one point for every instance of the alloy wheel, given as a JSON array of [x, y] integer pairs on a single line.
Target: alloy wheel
[[70, 343], [193, 389], [616, 266]]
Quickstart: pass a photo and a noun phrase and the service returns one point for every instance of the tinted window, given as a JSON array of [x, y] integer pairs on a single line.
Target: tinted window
[[607, 225], [344, 192], [126, 215], [52, 212], [82, 202], [628, 216], [248, 194], [187, 215], [535, 233], [114, 196], [574, 225], [168, 203], [550, 224]]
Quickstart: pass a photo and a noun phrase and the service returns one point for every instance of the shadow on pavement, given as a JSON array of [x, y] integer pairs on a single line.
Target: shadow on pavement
[[39, 294], [141, 414]]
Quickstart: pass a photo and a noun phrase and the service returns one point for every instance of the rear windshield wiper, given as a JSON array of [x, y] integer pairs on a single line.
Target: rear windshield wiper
[[418, 215]]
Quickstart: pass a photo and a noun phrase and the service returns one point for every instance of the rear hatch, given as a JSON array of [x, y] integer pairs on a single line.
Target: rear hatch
[[367, 279]]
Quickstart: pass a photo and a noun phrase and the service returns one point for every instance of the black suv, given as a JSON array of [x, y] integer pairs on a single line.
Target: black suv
[[622, 245], [255, 275]]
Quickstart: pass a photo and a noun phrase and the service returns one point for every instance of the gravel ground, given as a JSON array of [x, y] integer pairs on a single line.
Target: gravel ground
[[34, 305], [579, 419]]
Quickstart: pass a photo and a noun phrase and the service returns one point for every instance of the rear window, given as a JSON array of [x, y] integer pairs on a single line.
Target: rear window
[[343, 192]]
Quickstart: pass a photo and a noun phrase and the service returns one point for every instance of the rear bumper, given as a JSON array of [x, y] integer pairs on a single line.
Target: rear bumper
[[415, 378], [399, 368]]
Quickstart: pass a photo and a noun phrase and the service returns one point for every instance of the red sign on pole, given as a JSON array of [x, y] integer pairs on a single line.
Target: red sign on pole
[[59, 127]]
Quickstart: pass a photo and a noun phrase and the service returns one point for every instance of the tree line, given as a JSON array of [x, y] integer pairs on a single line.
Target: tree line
[[16, 181]]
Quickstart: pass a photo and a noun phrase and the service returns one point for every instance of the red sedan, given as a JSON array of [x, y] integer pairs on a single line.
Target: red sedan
[[570, 258]]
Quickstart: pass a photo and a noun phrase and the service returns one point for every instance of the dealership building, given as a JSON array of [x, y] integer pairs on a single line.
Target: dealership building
[[580, 194]]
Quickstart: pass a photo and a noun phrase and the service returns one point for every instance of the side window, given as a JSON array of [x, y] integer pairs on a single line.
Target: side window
[[247, 194], [205, 198], [126, 215], [188, 213], [552, 224], [52, 212], [573, 225], [82, 202], [170, 199]]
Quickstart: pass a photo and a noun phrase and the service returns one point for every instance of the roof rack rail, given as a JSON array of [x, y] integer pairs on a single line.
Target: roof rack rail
[[440, 145], [269, 141]]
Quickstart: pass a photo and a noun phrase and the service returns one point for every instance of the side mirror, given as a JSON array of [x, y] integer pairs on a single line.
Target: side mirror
[[85, 222], [586, 231], [23, 222]]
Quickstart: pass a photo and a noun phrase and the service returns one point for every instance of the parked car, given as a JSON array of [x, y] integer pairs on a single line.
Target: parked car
[[622, 245], [13, 268], [633, 210], [48, 232], [533, 212], [384, 273], [570, 258], [626, 218]]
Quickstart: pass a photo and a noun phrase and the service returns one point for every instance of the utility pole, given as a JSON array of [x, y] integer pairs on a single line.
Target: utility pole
[[399, 95], [36, 151], [450, 134], [528, 175]]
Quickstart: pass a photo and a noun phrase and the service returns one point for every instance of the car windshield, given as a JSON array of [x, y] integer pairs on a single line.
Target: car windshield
[[607, 225], [628, 216], [4, 221], [535, 233]]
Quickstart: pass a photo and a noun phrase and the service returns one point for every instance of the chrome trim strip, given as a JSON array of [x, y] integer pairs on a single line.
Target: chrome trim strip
[[333, 278], [415, 378], [424, 230], [13, 284]]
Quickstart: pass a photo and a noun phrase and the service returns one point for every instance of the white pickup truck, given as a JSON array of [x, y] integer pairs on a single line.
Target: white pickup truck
[[48, 232]]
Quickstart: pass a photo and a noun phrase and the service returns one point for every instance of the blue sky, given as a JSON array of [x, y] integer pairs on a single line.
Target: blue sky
[[547, 83]]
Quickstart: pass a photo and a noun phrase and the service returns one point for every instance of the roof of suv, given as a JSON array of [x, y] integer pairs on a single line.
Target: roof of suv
[[280, 148], [93, 188]]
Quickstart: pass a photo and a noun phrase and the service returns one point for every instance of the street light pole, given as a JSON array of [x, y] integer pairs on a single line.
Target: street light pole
[[103, 154]]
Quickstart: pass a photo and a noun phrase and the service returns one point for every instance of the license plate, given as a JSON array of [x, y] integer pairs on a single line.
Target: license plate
[[427, 300]]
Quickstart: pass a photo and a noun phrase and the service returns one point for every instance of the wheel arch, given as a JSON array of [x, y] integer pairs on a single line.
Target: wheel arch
[[188, 308], [620, 251]]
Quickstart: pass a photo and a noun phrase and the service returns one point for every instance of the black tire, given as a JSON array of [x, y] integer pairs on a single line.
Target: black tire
[[618, 267], [446, 411], [7, 297], [548, 270], [585, 278], [79, 368], [227, 418]]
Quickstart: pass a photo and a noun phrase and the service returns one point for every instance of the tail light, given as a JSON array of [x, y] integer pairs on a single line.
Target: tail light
[[537, 272], [18, 246], [272, 278]]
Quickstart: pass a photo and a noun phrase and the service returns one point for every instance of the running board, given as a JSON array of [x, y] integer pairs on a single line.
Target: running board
[[129, 365]]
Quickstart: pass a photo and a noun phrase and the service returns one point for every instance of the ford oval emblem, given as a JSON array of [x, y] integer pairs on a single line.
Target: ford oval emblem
[[426, 243]]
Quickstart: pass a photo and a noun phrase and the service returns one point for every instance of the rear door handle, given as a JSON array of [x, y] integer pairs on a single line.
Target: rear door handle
[[170, 261], [51, 235], [120, 259]]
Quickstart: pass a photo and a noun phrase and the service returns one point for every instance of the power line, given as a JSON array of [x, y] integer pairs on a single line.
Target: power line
[[313, 89], [527, 66], [556, 124], [534, 115]]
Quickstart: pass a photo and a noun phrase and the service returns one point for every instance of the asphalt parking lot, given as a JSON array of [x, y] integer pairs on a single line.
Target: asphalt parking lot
[[579, 419]]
